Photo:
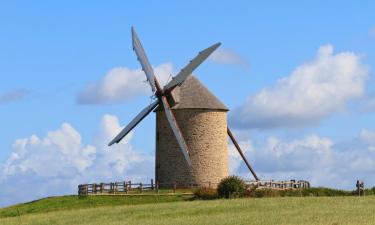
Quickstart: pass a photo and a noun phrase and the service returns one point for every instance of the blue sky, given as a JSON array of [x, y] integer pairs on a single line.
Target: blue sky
[[51, 52]]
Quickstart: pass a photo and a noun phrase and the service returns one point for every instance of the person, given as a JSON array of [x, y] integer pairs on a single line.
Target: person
[[360, 187]]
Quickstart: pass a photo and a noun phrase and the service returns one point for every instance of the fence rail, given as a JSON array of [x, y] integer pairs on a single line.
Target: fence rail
[[290, 184], [129, 188]]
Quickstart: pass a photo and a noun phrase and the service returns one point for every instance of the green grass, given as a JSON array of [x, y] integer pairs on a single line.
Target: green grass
[[272, 211], [75, 202]]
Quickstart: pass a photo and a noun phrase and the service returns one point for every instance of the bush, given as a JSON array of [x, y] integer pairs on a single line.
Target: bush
[[322, 191], [205, 193], [231, 187], [319, 191], [369, 191]]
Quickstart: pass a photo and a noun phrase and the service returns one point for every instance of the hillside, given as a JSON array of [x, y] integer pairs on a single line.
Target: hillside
[[293, 210], [74, 202]]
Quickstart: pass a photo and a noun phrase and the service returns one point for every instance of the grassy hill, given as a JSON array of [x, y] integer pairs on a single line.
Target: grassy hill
[[74, 202], [119, 210]]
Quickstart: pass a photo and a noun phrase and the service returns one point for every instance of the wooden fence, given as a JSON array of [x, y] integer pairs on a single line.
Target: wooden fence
[[129, 188], [291, 184]]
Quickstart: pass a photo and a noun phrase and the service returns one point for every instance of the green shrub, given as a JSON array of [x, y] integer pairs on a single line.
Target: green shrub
[[322, 191], [266, 192], [231, 187], [369, 191], [319, 191], [205, 193]]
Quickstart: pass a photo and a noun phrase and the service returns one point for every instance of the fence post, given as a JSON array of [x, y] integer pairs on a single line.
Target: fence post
[[101, 188], [152, 184], [157, 187], [130, 185]]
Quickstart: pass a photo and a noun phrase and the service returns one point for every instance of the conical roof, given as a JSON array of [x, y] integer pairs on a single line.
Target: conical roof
[[192, 94]]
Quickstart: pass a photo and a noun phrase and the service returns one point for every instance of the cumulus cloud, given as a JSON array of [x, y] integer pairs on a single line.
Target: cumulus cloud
[[121, 84], [313, 158], [228, 56], [235, 160], [12, 95], [284, 157], [57, 163], [310, 93]]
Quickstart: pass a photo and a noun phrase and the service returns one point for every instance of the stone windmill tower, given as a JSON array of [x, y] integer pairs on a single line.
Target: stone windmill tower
[[203, 123], [191, 126]]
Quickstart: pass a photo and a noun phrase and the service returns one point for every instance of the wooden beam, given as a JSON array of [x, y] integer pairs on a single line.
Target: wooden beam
[[241, 153]]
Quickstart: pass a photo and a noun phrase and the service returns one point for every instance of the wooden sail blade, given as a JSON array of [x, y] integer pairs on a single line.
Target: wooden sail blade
[[134, 122], [176, 130], [189, 68], [142, 58]]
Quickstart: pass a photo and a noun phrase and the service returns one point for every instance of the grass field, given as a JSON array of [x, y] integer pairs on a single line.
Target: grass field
[[74, 202], [285, 210]]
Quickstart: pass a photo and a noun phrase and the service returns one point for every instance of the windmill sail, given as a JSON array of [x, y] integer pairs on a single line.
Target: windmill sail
[[188, 69], [142, 58], [176, 130], [134, 122]]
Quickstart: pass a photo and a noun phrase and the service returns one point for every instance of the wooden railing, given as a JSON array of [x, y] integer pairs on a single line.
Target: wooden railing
[[129, 188], [291, 184]]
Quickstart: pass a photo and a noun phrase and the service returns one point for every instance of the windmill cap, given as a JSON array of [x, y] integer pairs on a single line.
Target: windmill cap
[[192, 94]]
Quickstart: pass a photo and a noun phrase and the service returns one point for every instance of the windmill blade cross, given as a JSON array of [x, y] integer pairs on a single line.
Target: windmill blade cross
[[134, 122], [176, 130], [189, 68], [142, 58]]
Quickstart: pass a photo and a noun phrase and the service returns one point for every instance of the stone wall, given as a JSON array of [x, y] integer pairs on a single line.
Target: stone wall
[[205, 131]]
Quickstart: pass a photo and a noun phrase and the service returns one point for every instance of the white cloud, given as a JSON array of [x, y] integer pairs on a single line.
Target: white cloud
[[12, 95], [313, 158], [58, 162], [310, 93], [296, 155], [121, 84], [228, 56], [235, 160]]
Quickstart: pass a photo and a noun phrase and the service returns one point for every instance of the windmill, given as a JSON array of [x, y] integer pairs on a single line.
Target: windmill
[[179, 104]]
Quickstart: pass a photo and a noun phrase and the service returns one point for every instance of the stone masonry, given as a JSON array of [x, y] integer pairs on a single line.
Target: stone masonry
[[205, 131]]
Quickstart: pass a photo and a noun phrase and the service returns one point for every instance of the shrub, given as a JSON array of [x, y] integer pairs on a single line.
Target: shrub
[[319, 191], [205, 193], [369, 191], [231, 187], [266, 192]]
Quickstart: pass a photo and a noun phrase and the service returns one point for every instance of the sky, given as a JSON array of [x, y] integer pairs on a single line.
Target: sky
[[296, 76]]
